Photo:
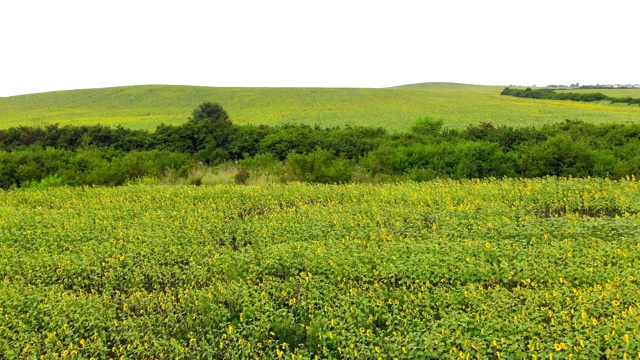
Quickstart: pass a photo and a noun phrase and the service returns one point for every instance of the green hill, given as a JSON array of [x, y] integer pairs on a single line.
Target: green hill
[[449, 86], [144, 107]]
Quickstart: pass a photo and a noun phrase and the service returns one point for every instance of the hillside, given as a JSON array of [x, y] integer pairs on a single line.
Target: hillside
[[144, 107], [449, 86]]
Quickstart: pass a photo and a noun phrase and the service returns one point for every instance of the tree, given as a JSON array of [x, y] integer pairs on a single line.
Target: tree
[[211, 112], [208, 128]]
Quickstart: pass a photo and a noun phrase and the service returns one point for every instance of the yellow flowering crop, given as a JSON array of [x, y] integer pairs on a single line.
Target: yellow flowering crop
[[341, 271]]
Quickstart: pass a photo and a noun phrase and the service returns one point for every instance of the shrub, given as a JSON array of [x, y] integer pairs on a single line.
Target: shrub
[[427, 126], [242, 176], [319, 166]]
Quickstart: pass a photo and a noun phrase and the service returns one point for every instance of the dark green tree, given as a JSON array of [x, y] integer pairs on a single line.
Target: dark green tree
[[210, 112], [207, 129]]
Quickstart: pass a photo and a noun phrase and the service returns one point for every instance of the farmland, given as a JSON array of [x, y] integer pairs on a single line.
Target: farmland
[[620, 93], [145, 107], [542, 268], [509, 268]]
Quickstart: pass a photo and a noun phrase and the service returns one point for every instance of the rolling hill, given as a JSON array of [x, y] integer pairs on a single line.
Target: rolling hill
[[396, 108]]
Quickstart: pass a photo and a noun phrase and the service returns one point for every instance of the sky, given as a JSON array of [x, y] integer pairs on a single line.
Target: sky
[[67, 44]]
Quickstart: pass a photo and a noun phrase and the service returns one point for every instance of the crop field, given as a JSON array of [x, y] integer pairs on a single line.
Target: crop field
[[620, 93], [145, 107], [507, 269]]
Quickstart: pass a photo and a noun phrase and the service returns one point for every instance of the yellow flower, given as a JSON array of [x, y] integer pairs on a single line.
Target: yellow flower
[[615, 302], [361, 329], [557, 346], [377, 348], [487, 245]]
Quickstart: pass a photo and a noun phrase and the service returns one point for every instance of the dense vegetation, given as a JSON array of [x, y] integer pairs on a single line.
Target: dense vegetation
[[511, 269], [549, 94], [101, 155]]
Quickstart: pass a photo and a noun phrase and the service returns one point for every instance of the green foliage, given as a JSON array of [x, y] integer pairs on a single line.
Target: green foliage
[[559, 156], [207, 133], [74, 137], [242, 176], [289, 138], [427, 126], [38, 167], [334, 155], [210, 112], [461, 160], [111, 156], [318, 166], [550, 94], [244, 141], [212, 154], [445, 269], [479, 160], [259, 161]]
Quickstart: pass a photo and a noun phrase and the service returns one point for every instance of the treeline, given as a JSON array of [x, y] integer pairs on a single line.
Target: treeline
[[35, 166], [100, 155], [549, 94]]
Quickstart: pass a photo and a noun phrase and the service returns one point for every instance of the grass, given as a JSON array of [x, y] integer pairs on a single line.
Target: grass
[[144, 107], [620, 93]]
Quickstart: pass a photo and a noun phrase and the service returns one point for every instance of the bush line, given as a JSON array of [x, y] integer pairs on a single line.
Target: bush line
[[101, 155]]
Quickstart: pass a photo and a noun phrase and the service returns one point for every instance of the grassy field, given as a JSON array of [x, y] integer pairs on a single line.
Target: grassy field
[[621, 93], [144, 107], [504, 269]]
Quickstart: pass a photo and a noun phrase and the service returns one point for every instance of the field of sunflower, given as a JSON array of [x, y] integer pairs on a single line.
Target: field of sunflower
[[508, 269]]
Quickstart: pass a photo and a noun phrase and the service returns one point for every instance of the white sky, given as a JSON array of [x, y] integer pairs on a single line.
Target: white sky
[[66, 44]]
